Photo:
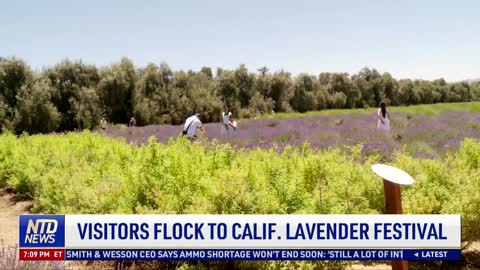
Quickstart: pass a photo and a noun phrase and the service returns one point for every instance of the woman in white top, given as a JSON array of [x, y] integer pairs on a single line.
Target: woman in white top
[[225, 119], [383, 117], [232, 125]]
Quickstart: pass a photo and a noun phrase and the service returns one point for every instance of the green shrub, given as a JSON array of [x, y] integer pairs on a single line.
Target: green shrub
[[89, 173]]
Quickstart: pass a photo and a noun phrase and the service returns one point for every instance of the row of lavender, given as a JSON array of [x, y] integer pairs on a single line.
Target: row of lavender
[[421, 135]]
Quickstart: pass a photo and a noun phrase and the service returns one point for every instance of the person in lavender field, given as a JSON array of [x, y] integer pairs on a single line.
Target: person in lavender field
[[383, 117], [103, 123], [192, 124], [232, 125], [225, 119], [133, 122]]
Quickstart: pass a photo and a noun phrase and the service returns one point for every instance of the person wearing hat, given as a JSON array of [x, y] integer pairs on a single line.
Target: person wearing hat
[[192, 124]]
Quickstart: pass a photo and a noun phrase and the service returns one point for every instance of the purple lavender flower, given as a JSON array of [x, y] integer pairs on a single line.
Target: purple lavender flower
[[437, 133]]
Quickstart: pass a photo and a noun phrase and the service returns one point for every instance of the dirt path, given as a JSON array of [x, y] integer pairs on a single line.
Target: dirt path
[[10, 207]]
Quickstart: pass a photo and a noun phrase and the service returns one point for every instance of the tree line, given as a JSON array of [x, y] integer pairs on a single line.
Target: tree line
[[74, 95]]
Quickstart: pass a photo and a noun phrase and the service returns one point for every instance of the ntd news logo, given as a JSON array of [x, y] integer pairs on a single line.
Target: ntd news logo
[[42, 230]]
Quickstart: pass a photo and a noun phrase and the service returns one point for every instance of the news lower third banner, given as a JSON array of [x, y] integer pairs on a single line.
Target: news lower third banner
[[239, 237]]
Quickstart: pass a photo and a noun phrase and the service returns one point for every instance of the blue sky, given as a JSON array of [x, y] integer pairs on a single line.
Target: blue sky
[[410, 39]]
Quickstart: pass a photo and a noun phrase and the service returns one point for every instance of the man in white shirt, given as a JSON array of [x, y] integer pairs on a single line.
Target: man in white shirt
[[191, 125]]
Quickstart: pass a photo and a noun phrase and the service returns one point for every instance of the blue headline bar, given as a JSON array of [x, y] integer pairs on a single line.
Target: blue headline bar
[[263, 254]]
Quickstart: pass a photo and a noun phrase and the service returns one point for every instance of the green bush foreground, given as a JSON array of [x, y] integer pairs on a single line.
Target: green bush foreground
[[89, 173]]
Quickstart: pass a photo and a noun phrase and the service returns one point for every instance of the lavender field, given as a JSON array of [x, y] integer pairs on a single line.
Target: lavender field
[[418, 134]]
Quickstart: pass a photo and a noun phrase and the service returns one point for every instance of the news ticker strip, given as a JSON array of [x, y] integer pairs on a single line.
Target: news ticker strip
[[411, 236], [240, 254]]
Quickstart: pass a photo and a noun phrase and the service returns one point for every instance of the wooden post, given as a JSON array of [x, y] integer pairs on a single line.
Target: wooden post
[[393, 205]]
